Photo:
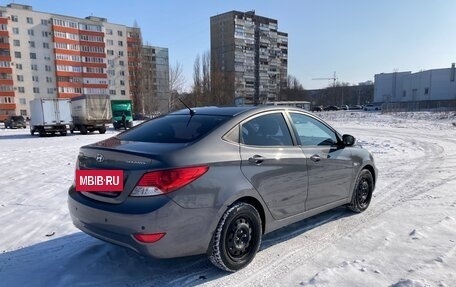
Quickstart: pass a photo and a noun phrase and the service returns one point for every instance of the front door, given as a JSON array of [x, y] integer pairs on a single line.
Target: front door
[[330, 167], [273, 165]]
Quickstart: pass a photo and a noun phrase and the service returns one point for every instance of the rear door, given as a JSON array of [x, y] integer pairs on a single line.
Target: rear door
[[274, 166], [49, 112], [330, 167]]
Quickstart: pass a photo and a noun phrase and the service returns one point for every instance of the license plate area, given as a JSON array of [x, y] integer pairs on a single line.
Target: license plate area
[[100, 181]]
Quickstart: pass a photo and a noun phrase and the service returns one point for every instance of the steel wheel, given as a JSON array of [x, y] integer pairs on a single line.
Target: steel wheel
[[362, 194], [237, 237]]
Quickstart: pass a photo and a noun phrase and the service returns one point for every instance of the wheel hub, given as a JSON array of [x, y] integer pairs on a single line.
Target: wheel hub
[[363, 192], [239, 238]]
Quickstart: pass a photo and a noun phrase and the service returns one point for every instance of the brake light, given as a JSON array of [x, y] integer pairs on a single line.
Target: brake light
[[148, 238], [166, 181]]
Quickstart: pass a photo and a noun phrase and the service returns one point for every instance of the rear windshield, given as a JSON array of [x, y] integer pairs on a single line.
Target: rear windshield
[[174, 129], [18, 118]]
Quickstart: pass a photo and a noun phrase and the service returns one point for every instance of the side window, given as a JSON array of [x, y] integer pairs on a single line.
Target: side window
[[311, 131], [266, 130]]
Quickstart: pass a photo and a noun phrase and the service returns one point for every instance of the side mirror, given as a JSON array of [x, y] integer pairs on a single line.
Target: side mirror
[[348, 140]]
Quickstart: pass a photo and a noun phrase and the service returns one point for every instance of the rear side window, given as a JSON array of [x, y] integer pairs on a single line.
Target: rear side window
[[266, 130], [174, 129]]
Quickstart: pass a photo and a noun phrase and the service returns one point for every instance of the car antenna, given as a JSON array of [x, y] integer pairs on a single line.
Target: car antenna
[[192, 112]]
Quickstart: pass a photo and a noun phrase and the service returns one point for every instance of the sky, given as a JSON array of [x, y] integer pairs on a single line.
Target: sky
[[354, 38]]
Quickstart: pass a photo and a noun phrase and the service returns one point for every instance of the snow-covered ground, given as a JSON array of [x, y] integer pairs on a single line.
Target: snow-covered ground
[[407, 237]]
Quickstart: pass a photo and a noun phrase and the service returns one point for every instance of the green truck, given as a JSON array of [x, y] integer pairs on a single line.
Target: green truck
[[122, 114]]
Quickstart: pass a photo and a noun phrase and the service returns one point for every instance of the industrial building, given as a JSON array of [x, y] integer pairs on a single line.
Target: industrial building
[[436, 87], [250, 52]]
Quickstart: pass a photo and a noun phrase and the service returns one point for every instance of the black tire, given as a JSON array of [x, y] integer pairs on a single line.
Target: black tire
[[237, 238], [102, 130], [63, 133], [83, 130], [362, 193]]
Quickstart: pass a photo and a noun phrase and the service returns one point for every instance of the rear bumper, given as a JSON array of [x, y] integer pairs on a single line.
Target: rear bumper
[[187, 230]]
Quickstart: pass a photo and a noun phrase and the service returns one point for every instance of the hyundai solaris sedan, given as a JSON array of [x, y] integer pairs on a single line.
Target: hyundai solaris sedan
[[215, 179]]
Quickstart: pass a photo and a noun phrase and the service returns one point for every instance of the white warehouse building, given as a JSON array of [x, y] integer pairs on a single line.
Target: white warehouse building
[[430, 85]]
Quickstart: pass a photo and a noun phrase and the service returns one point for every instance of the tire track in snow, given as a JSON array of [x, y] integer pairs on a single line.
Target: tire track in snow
[[296, 251]]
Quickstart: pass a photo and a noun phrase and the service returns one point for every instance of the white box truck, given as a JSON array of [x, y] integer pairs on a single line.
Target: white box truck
[[50, 116], [90, 113]]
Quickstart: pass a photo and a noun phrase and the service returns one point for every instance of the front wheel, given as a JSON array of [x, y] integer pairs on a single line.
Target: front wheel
[[237, 238], [362, 194]]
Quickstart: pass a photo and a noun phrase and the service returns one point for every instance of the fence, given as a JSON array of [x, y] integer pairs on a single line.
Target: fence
[[437, 106]]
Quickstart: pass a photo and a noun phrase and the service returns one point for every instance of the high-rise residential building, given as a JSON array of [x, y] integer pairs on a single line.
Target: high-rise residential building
[[155, 62], [45, 55], [252, 55]]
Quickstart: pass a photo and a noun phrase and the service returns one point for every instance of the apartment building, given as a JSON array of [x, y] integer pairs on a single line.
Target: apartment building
[[46, 55], [155, 63], [251, 53]]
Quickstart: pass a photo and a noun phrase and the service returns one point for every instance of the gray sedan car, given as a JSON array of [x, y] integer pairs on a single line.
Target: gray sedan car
[[214, 180]]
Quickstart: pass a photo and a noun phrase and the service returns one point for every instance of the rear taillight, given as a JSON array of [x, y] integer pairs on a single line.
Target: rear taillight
[[166, 181]]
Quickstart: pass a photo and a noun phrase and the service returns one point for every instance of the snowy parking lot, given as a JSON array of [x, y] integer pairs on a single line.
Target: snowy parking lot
[[407, 237]]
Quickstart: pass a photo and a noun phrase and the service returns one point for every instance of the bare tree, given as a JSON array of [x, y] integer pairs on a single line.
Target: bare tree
[[294, 90], [206, 79], [176, 84], [197, 82], [134, 43]]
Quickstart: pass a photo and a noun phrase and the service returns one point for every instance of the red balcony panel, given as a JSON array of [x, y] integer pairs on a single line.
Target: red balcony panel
[[91, 54], [67, 52], [5, 46], [7, 94], [3, 20], [69, 84], [93, 75], [91, 33], [68, 74], [67, 95], [97, 65], [68, 63], [6, 82], [10, 107], [96, 86], [65, 29], [4, 33]]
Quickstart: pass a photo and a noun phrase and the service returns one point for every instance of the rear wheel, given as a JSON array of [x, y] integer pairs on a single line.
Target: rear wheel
[[362, 194], [83, 129], [102, 130], [237, 238]]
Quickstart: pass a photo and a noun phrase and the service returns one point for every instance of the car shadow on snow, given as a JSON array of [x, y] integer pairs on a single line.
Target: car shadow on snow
[[79, 259]]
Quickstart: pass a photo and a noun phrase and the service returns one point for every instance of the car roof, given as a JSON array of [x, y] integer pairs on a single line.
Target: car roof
[[232, 111]]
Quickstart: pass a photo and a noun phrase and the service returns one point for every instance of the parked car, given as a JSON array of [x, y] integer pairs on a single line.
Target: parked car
[[355, 107], [331, 108], [214, 180], [316, 109], [15, 122], [372, 107]]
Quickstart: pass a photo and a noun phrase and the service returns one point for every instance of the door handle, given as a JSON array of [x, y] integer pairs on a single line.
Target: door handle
[[256, 159], [315, 158]]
